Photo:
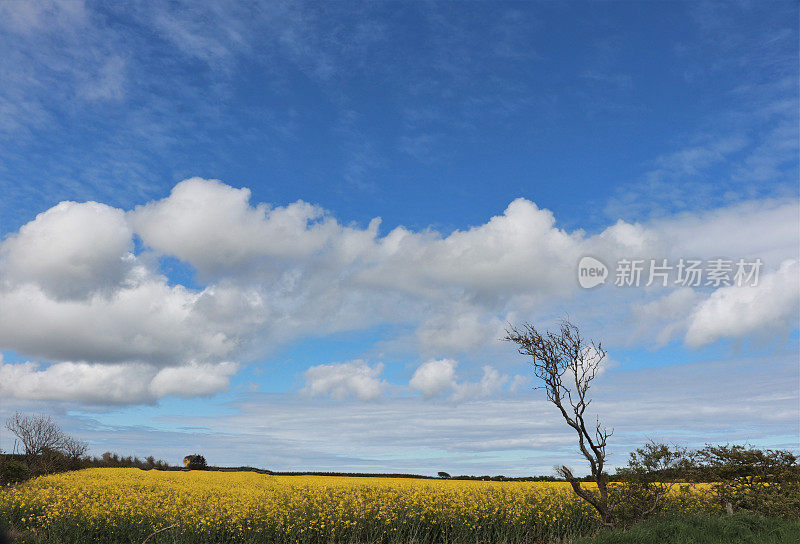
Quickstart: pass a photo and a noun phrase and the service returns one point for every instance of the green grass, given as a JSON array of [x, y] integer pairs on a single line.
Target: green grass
[[704, 529]]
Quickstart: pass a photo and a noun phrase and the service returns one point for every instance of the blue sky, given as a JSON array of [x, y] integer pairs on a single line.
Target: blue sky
[[497, 143]]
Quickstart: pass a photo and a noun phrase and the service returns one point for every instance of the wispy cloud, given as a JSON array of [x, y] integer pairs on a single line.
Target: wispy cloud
[[753, 400]]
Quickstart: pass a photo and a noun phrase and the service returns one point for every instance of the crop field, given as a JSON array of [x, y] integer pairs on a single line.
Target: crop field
[[126, 505]]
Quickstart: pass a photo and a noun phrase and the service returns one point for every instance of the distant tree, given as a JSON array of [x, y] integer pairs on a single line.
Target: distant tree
[[565, 365], [37, 433], [195, 462], [46, 447], [444, 475], [74, 449]]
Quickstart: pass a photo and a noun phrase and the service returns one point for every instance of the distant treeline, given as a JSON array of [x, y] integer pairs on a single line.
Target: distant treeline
[[381, 475], [58, 463], [389, 475], [18, 467]]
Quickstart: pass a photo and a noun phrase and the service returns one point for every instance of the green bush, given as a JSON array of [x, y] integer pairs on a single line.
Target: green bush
[[762, 481], [644, 485], [12, 471]]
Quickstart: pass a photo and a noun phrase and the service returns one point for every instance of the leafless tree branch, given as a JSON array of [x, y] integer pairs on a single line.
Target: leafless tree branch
[[565, 365]]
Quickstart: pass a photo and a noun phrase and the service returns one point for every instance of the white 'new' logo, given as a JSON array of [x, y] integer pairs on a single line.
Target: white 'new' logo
[[591, 272]]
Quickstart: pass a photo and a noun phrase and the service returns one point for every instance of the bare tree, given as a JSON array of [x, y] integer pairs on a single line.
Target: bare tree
[[47, 448], [38, 434], [566, 364], [73, 448]]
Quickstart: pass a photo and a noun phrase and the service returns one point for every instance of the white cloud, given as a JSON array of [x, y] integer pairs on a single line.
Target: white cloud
[[70, 290], [149, 321], [766, 310], [520, 251], [342, 380], [766, 229], [71, 250], [457, 328], [122, 383], [665, 315], [81, 382], [213, 227], [434, 377], [192, 380], [518, 382], [490, 383], [754, 400]]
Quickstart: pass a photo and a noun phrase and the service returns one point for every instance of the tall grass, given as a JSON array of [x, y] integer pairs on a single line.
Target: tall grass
[[704, 529]]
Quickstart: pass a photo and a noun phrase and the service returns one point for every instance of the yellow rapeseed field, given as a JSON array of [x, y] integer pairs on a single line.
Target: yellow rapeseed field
[[121, 505]]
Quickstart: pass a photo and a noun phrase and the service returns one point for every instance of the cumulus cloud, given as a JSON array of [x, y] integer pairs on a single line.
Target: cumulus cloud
[[520, 251], [192, 380], [70, 251], [434, 377], [149, 321], [767, 309], [122, 383], [354, 378], [212, 226], [73, 289]]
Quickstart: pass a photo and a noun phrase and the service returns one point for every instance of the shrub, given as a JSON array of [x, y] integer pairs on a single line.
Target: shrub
[[12, 471], [646, 481], [762, 481]]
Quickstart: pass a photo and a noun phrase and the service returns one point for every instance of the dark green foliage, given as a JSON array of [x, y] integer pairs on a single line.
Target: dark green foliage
[[12, 471], [745, 479], [195, 462], [763, 481], [707, 529], [444, 475], [646, 481], [113, 460], [16, 468], [655, 462]]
